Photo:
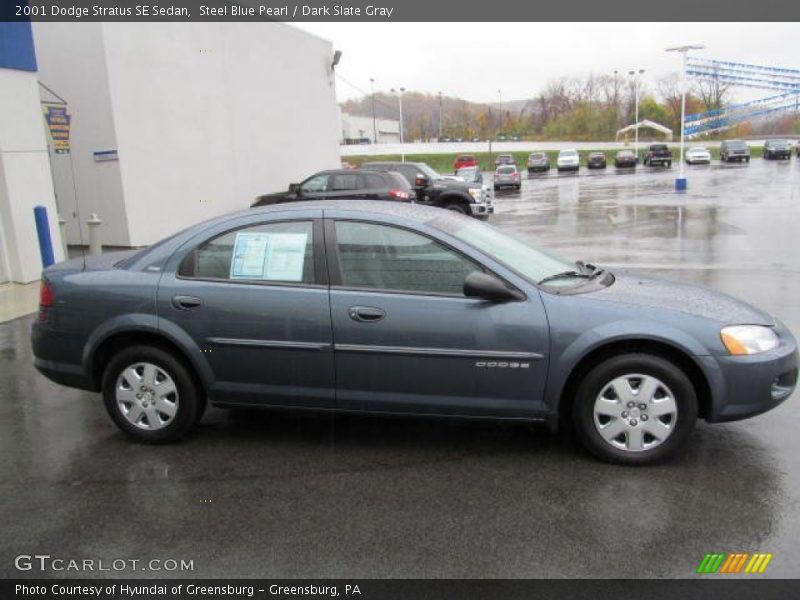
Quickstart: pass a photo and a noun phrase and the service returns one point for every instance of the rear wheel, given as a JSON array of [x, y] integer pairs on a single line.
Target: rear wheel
[[151, 395], [634, 409]]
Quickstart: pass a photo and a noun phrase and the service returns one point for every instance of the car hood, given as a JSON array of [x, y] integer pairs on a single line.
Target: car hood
[[690, 299], [451, 184]]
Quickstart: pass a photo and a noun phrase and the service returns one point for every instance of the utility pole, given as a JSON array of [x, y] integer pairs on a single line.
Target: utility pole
[[680, 182], [374, 120], [635, 76], [399, 93], [440, 117]]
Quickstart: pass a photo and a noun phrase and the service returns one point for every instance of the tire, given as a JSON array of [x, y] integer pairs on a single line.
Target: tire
[[519, 187], [128, 407], [747, 160], [669, 164], [456, 208], [636, 443]]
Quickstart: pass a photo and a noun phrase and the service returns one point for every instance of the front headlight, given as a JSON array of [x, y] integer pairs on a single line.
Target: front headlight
[[475, 193], [748, 339]]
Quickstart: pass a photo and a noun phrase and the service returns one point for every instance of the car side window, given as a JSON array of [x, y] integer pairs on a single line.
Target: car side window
[[316, 184], [383, 257], [372, 182], [344, 181], [270, 252]]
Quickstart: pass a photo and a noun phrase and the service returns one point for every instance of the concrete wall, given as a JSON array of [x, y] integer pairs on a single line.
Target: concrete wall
[[72, 63], [25, 179]]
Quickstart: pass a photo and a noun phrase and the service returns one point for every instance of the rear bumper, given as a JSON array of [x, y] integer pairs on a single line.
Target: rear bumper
[[65, 374], [752, 385], [658, 160], [50, 348]]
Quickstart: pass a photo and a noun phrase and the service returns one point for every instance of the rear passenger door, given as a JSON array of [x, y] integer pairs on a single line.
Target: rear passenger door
[[252, 301], [345, 185]]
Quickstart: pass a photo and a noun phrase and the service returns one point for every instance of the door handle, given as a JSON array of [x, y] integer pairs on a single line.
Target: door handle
[[186, 302], [366, 314]]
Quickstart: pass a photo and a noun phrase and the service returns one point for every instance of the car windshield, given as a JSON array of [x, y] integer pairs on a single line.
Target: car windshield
[[529, 261], [427, 171], [737, 144], [698, 149], [537, 156], [569, 153]]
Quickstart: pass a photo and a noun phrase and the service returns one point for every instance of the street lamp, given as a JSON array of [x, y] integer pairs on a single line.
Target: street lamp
[[680, 182], [500, 108], [635, 75], [440, 117], [399, 93], [374, 120]]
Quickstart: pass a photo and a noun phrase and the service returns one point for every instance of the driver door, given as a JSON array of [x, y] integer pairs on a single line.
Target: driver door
[[406, 339]]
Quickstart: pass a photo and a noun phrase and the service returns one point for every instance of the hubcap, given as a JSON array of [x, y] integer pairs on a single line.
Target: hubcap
[[147, 396], [635, 412]]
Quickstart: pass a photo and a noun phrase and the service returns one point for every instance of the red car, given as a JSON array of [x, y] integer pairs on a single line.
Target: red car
[[465, 160]]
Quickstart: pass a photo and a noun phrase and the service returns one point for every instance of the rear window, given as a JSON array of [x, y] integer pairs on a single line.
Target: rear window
[[537, 155], [658, 147], [465, 158]]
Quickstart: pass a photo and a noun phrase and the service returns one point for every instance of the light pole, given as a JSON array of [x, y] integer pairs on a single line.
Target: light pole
[[635, 75], [500, 110], [399, 93], [440, 117], [374, 120], [680, 182]]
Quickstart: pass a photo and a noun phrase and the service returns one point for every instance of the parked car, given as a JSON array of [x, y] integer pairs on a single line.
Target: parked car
[[568, 160], [538, 161], [596, 160], [431, 189], [504, 159], [344, 183], [625, 159], [657, 154], [470, 174], [730, 150], [464, 160], [698, 155], [777, 149], [390, 308], [507, 176]]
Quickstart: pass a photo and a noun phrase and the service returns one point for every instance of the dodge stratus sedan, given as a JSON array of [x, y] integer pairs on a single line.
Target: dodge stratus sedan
[[402, 309]]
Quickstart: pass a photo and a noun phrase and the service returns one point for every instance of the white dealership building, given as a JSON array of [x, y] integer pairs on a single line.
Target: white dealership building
[[174, 123]]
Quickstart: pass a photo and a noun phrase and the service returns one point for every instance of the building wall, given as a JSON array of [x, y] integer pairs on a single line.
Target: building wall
[[72, 64], [25, 179], [356, 127], [204, 116]]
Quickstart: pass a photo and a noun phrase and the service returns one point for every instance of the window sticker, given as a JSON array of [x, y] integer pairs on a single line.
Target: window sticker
[[269, 256]]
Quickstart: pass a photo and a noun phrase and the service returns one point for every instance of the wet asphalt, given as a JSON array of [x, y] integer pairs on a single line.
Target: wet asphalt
[[288, 495]]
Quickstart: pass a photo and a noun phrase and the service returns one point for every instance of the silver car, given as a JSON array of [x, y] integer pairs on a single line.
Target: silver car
[[568, 160]]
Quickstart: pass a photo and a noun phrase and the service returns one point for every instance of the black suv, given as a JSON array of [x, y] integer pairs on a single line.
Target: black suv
[[434, 190], [342, 184], [658, 154]]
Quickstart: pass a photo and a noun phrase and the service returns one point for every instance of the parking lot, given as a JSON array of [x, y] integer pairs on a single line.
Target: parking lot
[[287, 495]]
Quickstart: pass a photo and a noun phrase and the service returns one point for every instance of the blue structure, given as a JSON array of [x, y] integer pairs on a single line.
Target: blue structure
[[16, 46], [43, 231]]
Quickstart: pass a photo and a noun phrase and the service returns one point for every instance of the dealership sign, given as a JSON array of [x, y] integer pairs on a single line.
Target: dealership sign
[[58, 122]]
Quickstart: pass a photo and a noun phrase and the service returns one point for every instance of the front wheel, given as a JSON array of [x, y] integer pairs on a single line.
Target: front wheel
[[151, 395], [457, 208], [634, 409]]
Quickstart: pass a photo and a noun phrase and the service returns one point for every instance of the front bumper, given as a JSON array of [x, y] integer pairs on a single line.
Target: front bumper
[[482, 209], [751, 385]]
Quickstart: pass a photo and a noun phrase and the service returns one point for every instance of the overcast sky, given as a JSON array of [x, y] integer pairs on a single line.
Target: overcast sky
[[474, 60]]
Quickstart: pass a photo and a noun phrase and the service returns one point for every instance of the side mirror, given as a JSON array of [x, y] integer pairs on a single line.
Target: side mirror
[[294, 188], [420, 181], [489, 287]]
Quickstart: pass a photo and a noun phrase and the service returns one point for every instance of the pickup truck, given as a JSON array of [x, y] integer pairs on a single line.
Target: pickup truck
[[432, 189], [658, 154]]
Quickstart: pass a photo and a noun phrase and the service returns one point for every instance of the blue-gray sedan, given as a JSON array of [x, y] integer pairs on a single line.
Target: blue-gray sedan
[[402, 309]]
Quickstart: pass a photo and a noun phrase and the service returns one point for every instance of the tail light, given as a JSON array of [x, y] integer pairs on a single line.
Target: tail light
[[399, 194], [496, 176], [45, 299], [516, 175]]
